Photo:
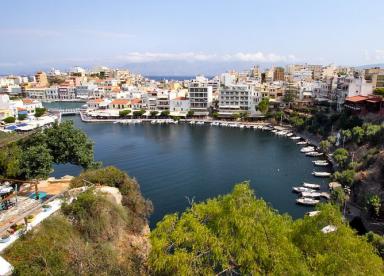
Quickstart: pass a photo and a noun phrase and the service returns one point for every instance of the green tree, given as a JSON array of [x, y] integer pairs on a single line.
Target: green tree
[[10, 158], [22, 117], [264, 105], [332, 139], [358, 134], [325, 146], [138, 113], [124, 113], [215, 115], [68, 144], [190, 113], [346, 134], [379, 91], [374, 203], [40, 111], [154, 113], [341, 157], [36, 162], [346, 177], [164, 113], [338, 196], [9, 120], [239, 234]]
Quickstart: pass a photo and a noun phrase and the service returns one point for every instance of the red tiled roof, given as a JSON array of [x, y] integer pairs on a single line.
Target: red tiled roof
[[95, 101], [120, 101], [27, 101], [356, 99], [181, 98], [136, 101]]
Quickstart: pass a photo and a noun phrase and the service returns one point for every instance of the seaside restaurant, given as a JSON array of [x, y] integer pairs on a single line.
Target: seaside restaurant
[[361, 105]]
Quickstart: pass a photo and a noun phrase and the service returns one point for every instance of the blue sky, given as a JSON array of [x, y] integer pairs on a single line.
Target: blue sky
[[41, 34]]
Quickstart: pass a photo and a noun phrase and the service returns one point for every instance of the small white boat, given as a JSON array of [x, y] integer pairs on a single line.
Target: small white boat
[[241, 126], [307, 149], [311, 186], [290, 134], [200, 123], [313, 153], [311, 195], [321, 163], [321, 174], [295, 137], [307, 201], [154, 122], [302, 143], [312, 213], [302, 189], [192, 122]]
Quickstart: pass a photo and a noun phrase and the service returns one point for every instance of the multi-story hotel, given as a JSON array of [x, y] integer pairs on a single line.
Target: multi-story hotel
[[200, 96], [238, 98]]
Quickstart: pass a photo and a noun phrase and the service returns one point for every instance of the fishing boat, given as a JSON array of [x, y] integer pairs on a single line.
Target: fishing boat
[[313, 153], [321, 174], [321, 163], [311, 186], [307, 201], [311, 195], [302, 189], [307, 149]]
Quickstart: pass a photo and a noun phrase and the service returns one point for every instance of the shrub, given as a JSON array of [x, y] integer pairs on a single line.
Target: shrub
[[22, 117], [124, 113], [9, 120], [40, 111]]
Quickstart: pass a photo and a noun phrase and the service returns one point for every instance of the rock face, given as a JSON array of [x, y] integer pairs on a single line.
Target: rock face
[[112, 193]]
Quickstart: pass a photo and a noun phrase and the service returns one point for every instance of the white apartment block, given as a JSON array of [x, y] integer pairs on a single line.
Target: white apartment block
[[200, 96], [238, 98], [179, 104]]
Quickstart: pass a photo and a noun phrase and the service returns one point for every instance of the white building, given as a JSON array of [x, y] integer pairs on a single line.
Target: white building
[[238, 98], [179, 105], [200, 96]]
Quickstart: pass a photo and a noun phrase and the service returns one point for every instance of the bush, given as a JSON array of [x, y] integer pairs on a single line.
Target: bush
[[22, 117], [128, 187], [40, 111], [9, 120], [346, 177]]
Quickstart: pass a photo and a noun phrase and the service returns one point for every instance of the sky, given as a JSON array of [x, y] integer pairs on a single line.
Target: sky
[[181, 37]]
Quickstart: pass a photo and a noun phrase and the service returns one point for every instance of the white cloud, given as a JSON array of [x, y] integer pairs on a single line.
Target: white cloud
[[375, 56], [192, 56]]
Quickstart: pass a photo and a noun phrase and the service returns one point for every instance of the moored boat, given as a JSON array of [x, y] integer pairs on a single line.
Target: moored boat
[[313, 154], [307, 149], [311, 186], [302, 143], [302, 189], [311, 195], [307, 201], [321, 163], [295, 137], [321, 174]]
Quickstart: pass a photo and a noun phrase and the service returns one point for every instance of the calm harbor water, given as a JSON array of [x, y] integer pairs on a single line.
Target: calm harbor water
[[178, 161]]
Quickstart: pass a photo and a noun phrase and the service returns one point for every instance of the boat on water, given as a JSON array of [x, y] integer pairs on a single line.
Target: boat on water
[[290, 134], [302, 189], [302, 143], [313, 153], [321, 163], [192, 122], [307, 149], [295, 137], [200, 123], [321, 174], [307, 201], [311, 186], [311, 195], [215, 124]]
